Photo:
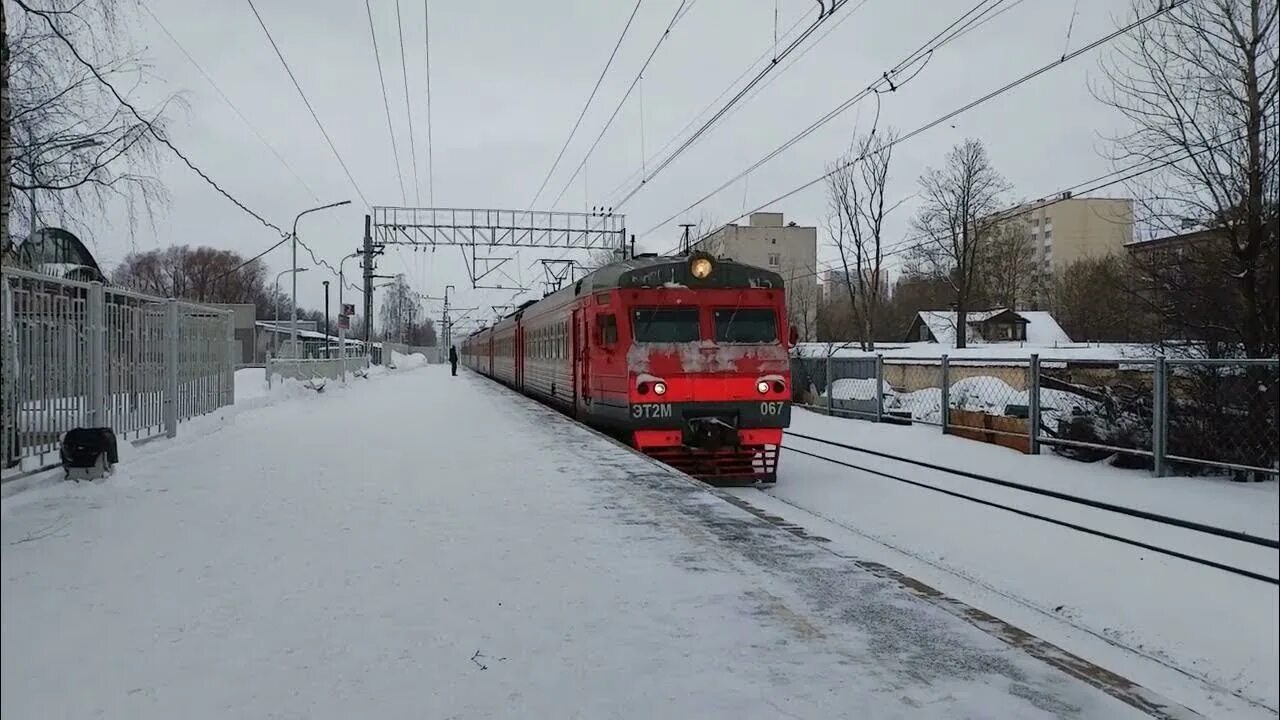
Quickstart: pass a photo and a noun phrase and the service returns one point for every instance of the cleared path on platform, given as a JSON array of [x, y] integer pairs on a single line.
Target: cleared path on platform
[[431, 547]]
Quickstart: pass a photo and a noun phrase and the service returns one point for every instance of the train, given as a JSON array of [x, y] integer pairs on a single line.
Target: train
[[686, 358]]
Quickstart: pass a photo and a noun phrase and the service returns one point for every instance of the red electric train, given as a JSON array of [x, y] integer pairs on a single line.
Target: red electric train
[[686, 358]]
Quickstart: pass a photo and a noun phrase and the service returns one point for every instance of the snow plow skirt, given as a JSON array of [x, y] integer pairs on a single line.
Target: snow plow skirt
[[740, 465]]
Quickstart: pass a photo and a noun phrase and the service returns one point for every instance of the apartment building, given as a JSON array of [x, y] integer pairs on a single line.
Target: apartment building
[[1070, 228], [788, 249]]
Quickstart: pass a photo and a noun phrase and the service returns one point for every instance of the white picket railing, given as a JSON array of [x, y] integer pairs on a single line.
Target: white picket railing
[[81, 354]]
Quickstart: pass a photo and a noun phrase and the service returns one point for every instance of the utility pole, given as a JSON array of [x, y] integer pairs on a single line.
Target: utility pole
[[368, 254], [326, 319]]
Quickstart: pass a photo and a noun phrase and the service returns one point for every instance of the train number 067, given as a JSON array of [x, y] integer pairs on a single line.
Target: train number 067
[[771, 408]]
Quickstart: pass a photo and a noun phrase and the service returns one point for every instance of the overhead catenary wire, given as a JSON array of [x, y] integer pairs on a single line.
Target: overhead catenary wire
[[1174, 4], [234, 108], [297, 86], [916, 60], [590, 97], [426, 43], [675, 18], [386, 102], [823, 17], [408, 108]]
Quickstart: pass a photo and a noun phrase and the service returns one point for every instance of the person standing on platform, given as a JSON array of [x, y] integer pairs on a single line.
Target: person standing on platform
[[453, 359]]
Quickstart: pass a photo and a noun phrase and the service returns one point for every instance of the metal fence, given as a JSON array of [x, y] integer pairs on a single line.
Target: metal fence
[[313, 368], [1172, 415], [83, 355]]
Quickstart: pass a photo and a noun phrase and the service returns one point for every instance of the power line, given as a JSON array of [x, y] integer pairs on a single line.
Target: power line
[[232, 105], [822, 18], [675, 18], [151, 129], [920, 56], [431, 173], [307, 102], [386, 103], [768, 51], [408, 108], [586, 105], [958, 111]]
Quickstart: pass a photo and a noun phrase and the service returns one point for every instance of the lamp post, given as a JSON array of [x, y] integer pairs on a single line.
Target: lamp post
[[293, 320], [342, 332], [448, 336], [275, 326], [326, 318]]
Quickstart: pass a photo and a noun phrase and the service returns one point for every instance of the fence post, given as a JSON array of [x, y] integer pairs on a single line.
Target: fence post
[[95, 347], [1033, 404], [828, 393], [1159, 408], [879, 387], [171, 346], [233, 355], [946, 393]]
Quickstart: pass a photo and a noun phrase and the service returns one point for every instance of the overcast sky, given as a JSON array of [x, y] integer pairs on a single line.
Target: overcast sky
[[508, 78]]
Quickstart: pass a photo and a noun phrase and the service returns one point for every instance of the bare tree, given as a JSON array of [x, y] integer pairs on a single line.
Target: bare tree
[[1200, 86], [703, 236], [6, 112], [201, 274], [1091, 299], [1010, 275], [956, 222], [856, 193], [71, 149]]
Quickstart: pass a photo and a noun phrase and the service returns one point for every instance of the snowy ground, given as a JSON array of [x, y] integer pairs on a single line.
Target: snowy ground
[[424, 546], [1203, 637]]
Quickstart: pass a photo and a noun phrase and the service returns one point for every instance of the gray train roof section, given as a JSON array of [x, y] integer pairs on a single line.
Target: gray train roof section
[[668, 271]]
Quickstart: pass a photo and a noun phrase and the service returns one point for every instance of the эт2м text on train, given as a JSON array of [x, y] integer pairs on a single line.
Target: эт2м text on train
[[683, 357]]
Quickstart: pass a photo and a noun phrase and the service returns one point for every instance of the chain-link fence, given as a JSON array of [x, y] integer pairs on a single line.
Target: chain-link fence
[[1169, 415], [82, 355]]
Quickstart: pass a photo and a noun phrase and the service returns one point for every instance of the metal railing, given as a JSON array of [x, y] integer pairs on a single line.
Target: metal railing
[[306, 369], [1172, 415], [81, 354]]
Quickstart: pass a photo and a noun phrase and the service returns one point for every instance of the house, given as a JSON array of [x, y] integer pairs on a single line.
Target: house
[[988, 326]]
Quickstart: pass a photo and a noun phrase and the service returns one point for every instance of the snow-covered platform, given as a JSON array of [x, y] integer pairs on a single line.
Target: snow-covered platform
[[433, 547]]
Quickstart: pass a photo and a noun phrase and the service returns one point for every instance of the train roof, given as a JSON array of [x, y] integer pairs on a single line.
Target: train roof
[[674, 271], [659, 271]]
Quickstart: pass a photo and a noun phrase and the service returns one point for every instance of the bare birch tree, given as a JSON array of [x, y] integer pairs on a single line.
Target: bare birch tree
[[1010, 275], [1199, 86], [956, 223], [856, 193]]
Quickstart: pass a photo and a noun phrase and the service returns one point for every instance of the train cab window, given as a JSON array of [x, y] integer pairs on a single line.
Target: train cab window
[[608, 325], [746, 325], [665, 325]]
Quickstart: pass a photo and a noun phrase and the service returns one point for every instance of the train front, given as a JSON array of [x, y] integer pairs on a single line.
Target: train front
[[708, 368]]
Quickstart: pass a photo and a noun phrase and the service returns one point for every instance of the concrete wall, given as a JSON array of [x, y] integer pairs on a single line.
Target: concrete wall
[[789, 250]]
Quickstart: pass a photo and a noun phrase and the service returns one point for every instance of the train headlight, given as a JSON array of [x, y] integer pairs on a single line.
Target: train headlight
[[659, 388], [763, 387], [701, 268]]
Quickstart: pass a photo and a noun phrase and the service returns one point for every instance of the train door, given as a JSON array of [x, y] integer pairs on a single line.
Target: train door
[[519, 356], [581, 362]]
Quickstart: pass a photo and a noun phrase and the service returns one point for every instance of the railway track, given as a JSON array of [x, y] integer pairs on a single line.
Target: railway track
[[816, 523]]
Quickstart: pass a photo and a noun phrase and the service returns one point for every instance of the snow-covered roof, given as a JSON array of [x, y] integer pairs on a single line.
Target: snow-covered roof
[[1042, 329], [270, 326]]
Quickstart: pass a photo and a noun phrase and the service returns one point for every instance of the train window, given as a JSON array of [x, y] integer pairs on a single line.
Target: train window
[[665, 325], [750, 325], [608, 326]]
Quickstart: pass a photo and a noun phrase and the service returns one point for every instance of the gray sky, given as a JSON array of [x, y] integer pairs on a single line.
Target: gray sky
[[508, 79]]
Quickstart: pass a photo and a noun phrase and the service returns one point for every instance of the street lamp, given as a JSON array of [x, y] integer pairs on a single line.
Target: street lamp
[[326, 318], [275, 327], [293, 321]]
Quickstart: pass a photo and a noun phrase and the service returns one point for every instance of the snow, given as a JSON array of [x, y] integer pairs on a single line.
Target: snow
[[1042, 329], [984, 353], [407, 362], [859, 389], [251, 383], [1204, 637], [416, 545]]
